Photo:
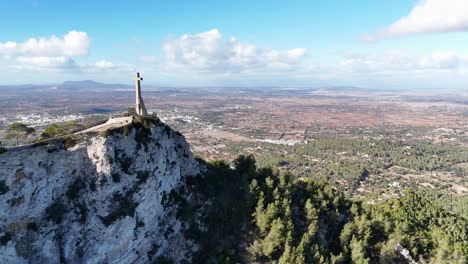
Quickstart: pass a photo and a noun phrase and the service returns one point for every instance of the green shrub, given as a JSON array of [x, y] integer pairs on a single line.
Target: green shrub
[[168, 130], [139, 223], [123, 205], [69, 142], [125, 163], [3, 187], [105, 133], [32, 226], [115, 177], [164, 200], [153, 250], [102, 181], [75, 188], [142, 135], [83, 212], [92, 185], [55, 212], [164, 260], [18, 131], [142, 176], [5, 238], [55, 130], [126, 130]]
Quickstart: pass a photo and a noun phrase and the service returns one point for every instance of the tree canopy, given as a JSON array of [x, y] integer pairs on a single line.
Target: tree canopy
[[251, 215], [18, 131], [60, 129]]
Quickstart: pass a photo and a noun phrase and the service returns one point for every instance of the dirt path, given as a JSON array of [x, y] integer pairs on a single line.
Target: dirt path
[[111, 123]]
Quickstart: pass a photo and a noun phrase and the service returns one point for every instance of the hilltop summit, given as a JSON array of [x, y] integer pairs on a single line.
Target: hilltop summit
[[100, 198]]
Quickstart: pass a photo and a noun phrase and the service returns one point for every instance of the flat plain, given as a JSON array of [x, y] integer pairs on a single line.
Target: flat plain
[[337, 133]]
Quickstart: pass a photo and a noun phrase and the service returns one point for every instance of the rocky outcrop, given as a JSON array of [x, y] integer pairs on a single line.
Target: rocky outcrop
[[405, 253], [97, 198]]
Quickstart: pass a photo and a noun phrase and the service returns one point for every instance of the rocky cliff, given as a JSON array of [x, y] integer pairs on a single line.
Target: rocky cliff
[[101, 198]]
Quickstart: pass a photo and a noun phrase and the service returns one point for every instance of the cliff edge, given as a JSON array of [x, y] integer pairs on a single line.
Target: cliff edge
[[96, 198]]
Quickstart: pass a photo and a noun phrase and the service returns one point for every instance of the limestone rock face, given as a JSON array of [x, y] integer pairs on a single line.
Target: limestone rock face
[[104, 200]]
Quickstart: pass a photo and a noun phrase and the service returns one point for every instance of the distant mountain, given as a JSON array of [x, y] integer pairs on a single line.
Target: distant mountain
[[67, 85], [81, 83], [89, 84]]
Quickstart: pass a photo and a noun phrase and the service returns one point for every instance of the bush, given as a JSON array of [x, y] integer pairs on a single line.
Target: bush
[[32, 226], [142, 176], [3, 188], [75, 188], [142, 135], [55, 212], [123, 206], [53, 130], [83, 212], [69, 142], [92, 185], [164, 260], [153, 250], [125, 163], [105, 133], [18, 131], [126, 130], [5, 238], [60, 129], [115, 177]]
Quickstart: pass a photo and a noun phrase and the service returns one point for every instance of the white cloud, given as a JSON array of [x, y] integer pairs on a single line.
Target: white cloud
[[441, 60], [103, 64], [209, 56], [395, 62], [55, 54], [74, 43], [209, 52], [47, 54], [66, 64], [428, 16], [46, 63]]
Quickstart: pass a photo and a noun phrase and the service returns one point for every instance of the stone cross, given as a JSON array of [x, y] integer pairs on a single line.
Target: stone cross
[[139, 104]]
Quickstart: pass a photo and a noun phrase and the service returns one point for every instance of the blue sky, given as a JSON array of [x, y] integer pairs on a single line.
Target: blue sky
[[390, 44]]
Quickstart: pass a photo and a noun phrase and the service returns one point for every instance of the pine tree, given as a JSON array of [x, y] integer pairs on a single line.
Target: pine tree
[[18, 131], [358, 252], [260, 216], [275, 238]]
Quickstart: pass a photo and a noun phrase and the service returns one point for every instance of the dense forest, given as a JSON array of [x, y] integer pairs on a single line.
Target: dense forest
[[245, 214], [350, 161]]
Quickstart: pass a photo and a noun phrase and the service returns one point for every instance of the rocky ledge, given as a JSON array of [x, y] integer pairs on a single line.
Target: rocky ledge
[[96, 198]]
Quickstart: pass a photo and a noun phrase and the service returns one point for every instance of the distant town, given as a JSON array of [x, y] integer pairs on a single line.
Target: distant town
[[267, 122]]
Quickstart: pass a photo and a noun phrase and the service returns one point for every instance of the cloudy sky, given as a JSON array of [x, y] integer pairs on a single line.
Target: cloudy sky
[[390, 44]]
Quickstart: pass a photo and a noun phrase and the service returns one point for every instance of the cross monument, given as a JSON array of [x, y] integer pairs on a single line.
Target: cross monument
[[139, 104]]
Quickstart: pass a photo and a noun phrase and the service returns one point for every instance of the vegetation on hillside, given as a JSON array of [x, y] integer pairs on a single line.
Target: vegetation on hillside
[[55, 130], [352, 161], [264, 216], [450, 202], [18, 131]]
